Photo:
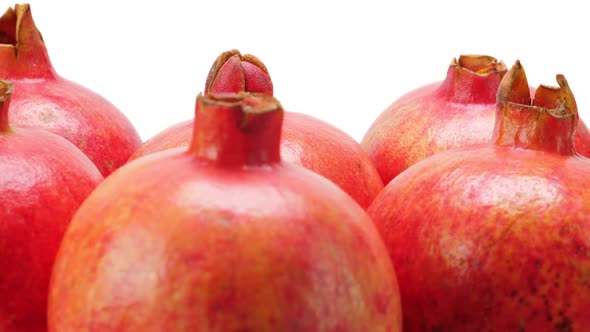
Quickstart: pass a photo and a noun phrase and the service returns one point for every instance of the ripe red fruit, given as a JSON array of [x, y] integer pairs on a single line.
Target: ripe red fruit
[[456, 112], [306, 141], [43, 180], [496, 237], [223, 237], [45, 100]]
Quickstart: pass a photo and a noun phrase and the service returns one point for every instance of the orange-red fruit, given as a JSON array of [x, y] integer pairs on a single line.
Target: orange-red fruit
[[456, 112], [306, 141], [496, 237], [43, 180], [223, 237], [43, 99]]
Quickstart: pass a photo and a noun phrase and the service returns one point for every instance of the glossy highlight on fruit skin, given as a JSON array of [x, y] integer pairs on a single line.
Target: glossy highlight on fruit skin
[[458, 111], [43, 99], [306, 141], [495, 237], [223, 236], [43, 180], [335, 156]]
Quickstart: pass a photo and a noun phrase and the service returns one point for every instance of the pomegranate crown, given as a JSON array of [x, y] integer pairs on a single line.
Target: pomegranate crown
[[237, 129], [472, 79], [478, 64], [22, 50], [546, 122], [234, 72]]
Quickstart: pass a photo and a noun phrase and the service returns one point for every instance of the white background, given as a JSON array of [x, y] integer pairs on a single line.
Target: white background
[[343, 62]]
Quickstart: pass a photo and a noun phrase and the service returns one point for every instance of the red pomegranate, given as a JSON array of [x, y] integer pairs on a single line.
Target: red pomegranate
[[307, 141], [43, 180], [495, 237], [45, 100], [223, 236], [456, 112]]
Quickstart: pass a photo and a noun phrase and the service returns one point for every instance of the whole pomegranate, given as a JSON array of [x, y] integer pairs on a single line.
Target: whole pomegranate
[[223, 236], [496, 237], [45, 100], [306, 141], [456, 112], [43, 180]]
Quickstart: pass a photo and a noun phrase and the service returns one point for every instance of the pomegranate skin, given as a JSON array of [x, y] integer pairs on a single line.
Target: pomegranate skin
[[43, 180], [456, 112], [175, 136], [43, 99], [466, 263], [198, 245], [330, 152], [62, 107], [495, 237], [306, 141]]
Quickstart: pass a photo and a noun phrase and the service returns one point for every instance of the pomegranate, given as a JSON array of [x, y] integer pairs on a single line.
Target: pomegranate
[[223, 236], [495, 237], [43, 180], [45, 100], [456, 112], [307, 141]]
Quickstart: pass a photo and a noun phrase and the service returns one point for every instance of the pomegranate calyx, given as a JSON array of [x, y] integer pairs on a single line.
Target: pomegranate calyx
[[479, 64], [558, 101], [22, 50], [472, 79], [234, 72], [237, 129], [17, 27], [546, 122], [514, 88], [5, 93]]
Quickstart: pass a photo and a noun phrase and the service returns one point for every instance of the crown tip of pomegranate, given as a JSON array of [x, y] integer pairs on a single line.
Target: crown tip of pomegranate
[[479, 64], [22, 8], [514, 87], [559, 101], [561, 81], [233, 72], [228, 54], [255, 61]]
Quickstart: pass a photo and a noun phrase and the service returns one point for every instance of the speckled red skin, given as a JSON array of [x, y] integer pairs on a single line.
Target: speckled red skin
[[306, 141], [43, 99], [201, 240], [43, 180], [465, 262], [493, 237], [458, 111]]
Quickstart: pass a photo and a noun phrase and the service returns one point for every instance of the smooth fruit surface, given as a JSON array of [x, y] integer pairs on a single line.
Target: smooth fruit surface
[[62, 107], [468, 259], [456, 112], [223, 236], [43, 181], [495, 237]]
